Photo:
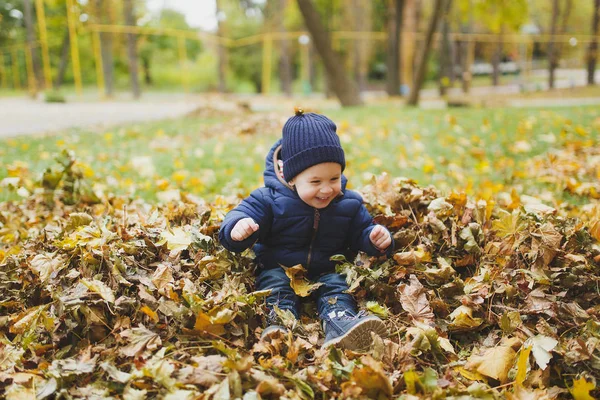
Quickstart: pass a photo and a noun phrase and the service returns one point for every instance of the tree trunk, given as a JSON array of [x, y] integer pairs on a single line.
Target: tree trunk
[[106, 45], [446, 61], [221, 53], [593, 47], [344, 88], [413, 99], [360, 15], [28, 17], [147, 70], [312, 65], [285, 65], [394, 44], [552, 56], [132, 49], [497, 58], [408, 44], [64, 60], [467, 54]]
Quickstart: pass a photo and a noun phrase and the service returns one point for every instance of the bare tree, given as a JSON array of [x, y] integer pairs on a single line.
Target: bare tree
[[221, 53], [592, 56], [419, 78], [394, 44], [345, 89], [446, 59], [552, 53], [64, 60], [468, 49], [497, 57], [131, 48], [28, 17], [285, 64], [106, 45], [360, 16]]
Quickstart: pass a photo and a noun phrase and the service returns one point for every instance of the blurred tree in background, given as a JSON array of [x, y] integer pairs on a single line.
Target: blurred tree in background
[[370, 62]]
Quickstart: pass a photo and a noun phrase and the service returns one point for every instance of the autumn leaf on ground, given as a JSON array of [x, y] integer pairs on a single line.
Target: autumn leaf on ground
[[177, 240], [100, 288], [510, 227], [523, 363], [140, 339], [462, 319], [46, 264], [541, 346], [301, 286], [594, 223], [204, 323], [412, 257], [581, 389], [413, 298], [28, 319], [371, 378], [494, 362]]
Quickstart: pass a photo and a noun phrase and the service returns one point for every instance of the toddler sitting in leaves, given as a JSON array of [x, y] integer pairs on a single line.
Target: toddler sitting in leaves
[[303, 216]]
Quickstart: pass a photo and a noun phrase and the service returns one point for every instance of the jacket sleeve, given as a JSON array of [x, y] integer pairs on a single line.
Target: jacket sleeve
[[257, 207], [362, 225]]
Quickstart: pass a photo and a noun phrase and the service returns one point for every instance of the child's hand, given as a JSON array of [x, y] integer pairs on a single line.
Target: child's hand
[[243, 229], [380, 238]]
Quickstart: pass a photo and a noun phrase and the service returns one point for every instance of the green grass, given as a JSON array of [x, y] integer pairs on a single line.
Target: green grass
[[462, 149]]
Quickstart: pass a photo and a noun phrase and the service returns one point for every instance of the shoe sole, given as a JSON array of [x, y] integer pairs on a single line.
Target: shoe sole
[[358, 338]]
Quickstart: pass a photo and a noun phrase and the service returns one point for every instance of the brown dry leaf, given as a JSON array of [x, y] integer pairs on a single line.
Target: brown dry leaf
[[140, 339], [46, 264], [462, 319], [28, 319], [204, 323], [162, 276], [302, 286], [371, 377], [494, 362], [413, 298], [594, 223], [100, 288], [412, 257]]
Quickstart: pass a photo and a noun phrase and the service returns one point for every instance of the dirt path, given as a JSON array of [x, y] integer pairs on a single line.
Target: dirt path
[[20, 116]]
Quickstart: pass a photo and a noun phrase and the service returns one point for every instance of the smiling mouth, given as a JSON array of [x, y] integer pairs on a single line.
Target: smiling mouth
[[322, 198]]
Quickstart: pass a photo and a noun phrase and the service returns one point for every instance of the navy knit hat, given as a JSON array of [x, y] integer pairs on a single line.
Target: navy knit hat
[[309, 139]]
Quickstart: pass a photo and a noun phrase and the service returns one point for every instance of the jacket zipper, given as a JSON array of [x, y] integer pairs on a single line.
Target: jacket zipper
[[314, 235]]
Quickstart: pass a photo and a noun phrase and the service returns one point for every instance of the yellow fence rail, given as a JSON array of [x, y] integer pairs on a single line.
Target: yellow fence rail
[[265, 39]]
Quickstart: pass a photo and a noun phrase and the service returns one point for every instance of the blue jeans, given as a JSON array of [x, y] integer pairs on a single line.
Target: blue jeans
[[283, 296]]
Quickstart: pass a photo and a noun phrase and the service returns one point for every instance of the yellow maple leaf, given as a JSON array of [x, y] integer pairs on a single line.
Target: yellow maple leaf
[[177, 240], [301, 286], [522, 364], [594, 223], [204, 323], [495, 362], [149, 312], [371, 377], [581, 389]]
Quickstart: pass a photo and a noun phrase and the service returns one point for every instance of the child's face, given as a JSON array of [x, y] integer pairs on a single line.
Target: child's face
[[318, 185]]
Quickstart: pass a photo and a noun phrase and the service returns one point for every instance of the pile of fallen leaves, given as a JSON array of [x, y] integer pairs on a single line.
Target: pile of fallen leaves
[[575, 168], [108, 296]]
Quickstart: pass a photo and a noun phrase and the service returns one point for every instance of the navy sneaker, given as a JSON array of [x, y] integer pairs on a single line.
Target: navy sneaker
[[352, 332]]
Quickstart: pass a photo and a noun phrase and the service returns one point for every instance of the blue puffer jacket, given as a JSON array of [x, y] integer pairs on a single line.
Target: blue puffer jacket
[[291, 232]]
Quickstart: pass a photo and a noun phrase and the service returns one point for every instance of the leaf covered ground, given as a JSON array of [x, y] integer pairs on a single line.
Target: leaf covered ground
[[493, 296]]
